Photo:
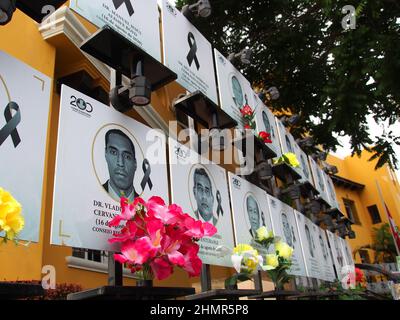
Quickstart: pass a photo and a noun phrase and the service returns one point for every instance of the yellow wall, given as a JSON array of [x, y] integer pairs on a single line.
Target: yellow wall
[[360, 170]]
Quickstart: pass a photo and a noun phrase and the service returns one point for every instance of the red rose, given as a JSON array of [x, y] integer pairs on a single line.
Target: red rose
[[265, 137], [359, 275], [246, 111], [247, 126]]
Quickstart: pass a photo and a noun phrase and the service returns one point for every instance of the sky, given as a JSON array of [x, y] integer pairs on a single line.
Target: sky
[[375, 129]]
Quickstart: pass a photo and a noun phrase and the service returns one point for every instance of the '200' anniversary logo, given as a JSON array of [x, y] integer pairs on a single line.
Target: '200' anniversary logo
[[12, 115]]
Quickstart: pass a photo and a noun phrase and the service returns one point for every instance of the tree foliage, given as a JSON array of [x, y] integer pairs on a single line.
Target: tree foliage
[[321, 70]]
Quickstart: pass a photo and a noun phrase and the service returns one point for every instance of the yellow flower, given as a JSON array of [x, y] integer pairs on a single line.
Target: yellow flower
[[264, 234], [272, 260], [244, 248], [251, 264], [11, 220], [284, 250], [292, 159]]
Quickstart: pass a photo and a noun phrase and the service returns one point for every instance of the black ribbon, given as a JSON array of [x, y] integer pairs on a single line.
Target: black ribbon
[[220, 211], [147, 171], [118, 3], [193, 50], [10, 129], [263, 219]]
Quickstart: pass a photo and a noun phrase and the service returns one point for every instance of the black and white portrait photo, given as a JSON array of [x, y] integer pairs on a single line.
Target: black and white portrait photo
[[204, 194], [121, 161], [304, 166], [288, 144], [254, 214], [310, 241], [288, 230], [339, 253], [268, 127], [324, 249]]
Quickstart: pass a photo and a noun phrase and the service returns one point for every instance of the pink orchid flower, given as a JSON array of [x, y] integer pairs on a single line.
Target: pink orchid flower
[[136, 252], [161, 268]]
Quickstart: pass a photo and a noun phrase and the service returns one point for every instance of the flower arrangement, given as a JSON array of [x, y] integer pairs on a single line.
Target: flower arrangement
[[247, 261], [278, 263], [288, 158], [11, 220], [248, 115], [157, 237]]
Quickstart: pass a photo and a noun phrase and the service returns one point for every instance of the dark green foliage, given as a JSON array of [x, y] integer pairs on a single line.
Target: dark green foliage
[[320, 69]]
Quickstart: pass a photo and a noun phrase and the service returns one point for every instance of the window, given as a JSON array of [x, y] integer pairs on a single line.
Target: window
[[364, 256], [351, 211], [374, 213], [91, 255]]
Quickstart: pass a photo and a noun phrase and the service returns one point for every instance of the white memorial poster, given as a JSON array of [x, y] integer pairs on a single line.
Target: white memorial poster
[[309, 238], [337, 252], [347, 252], [200, 187], [24, 114], [327, 261], [289, 144], [265, 121], [330, 187], [305, 169], [136, 20], [250, 211], [102, 155], [234, 89], [318, 177], [284, 225], [187, 52]]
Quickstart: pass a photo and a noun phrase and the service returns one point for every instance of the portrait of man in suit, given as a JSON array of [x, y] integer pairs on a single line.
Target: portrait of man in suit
[[203, 193], [253, 212], [287, 230], [310, 241], [324, 249], [288, 144], [121, 162], [268, 128]]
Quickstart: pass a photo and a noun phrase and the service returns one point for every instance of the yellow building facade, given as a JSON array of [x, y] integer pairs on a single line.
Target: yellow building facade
[[362, 193], [52, 48]]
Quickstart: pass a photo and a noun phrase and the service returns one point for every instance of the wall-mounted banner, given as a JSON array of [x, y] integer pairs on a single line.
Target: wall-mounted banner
[[289, 144], [347, 252], [327, 262], [250, 211], [234, 89], [304, 164], [136, 20], [201, 189], [101, 155], [330, 188], [318, 177], [265, 121], [284, 225], [309, 238], [24, 110], [338, 253], [187, 52]]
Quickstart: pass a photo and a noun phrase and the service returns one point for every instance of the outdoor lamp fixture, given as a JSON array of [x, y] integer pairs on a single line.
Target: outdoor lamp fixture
[[327, 220], [136, 93], [273, 93], [7, 8], [314, 207], [290, 121], [330, 169], [201, 8], [264, 171], [306, 142], [244, 56], [319, 155]]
